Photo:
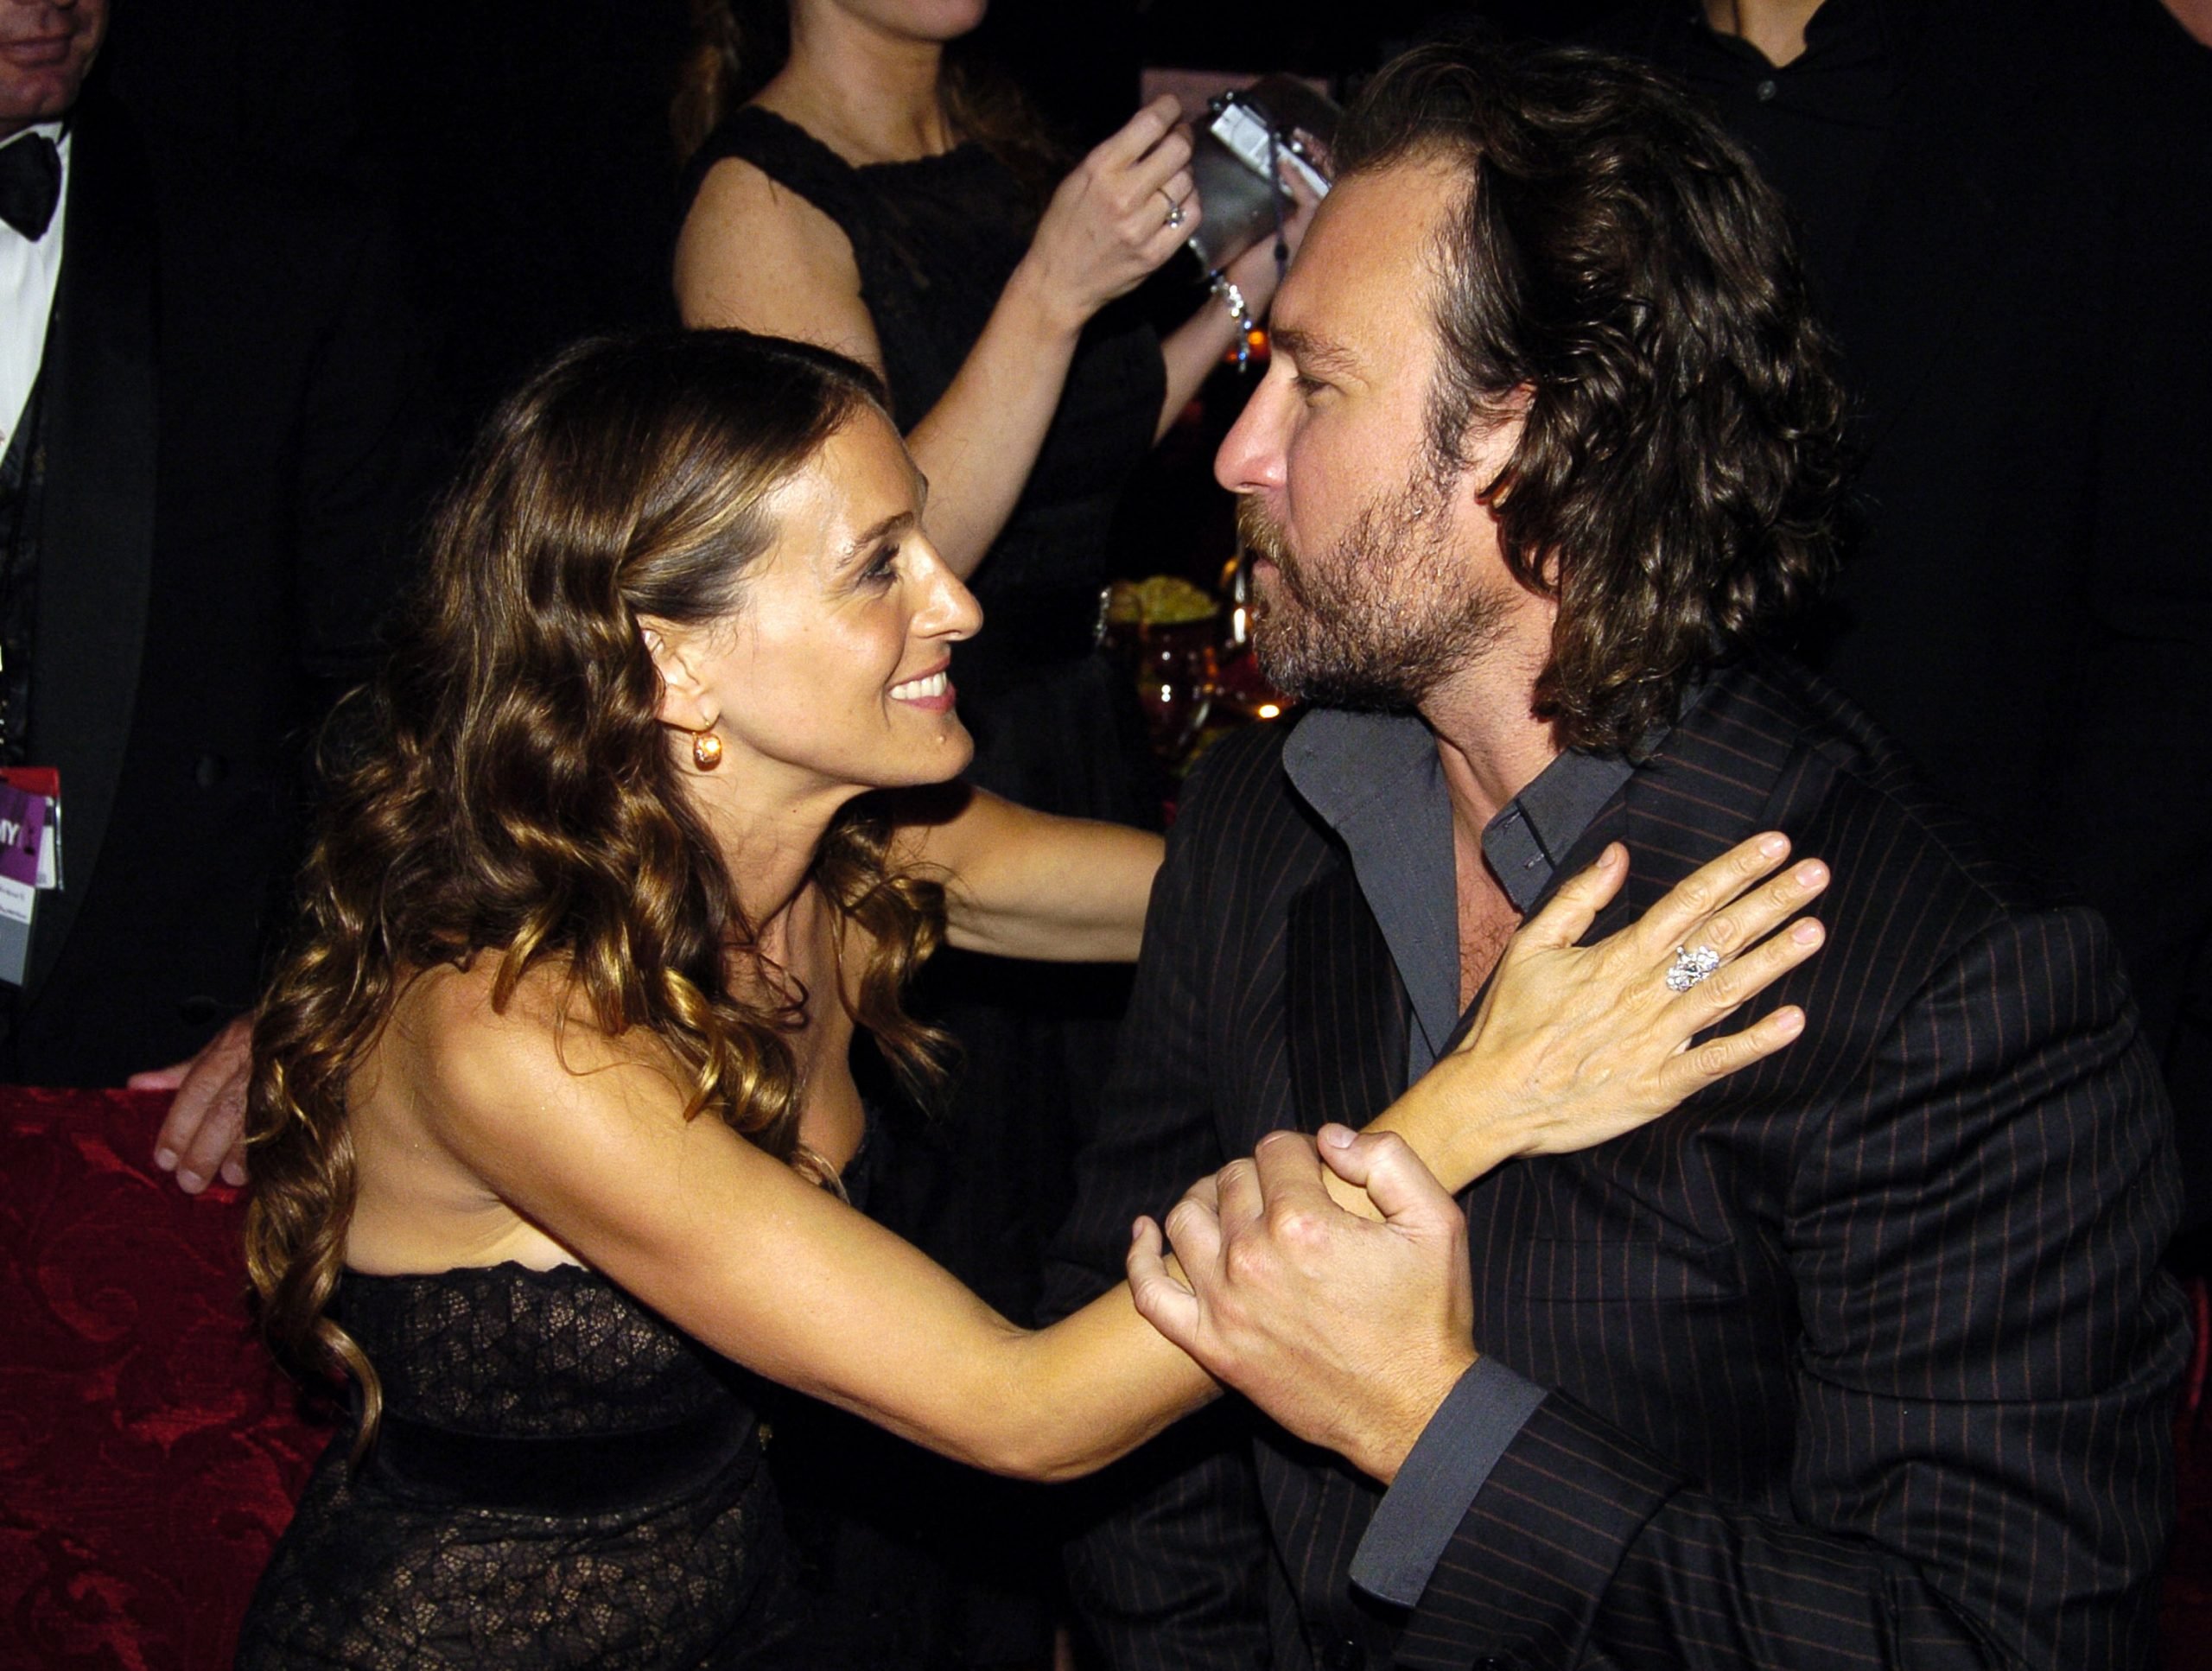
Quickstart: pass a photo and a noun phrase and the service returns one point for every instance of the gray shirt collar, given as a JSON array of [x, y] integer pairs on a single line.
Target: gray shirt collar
[[1376, 780]]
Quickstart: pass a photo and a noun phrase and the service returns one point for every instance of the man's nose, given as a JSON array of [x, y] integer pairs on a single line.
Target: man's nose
[[1251, 452]]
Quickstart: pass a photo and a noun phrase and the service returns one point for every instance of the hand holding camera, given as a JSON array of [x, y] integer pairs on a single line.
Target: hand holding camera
[[1125, 209]]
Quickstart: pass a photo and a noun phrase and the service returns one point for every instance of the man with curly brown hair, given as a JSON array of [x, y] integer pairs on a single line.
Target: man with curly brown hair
[[1862, 1357]]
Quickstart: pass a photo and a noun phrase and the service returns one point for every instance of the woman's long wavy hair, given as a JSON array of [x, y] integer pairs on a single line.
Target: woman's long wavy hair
[[513, 794], [1617, 262], [739, 45]]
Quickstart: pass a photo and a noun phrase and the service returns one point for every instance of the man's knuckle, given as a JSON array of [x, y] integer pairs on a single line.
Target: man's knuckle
[[1246, 1260]]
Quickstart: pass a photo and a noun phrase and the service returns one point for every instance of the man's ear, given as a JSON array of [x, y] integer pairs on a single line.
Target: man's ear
[[1482, 479], [1493, 437], [677, 653]]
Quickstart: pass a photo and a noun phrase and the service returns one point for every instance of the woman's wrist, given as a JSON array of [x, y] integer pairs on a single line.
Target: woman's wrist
[[1450, 1121], [1042, 308], [1256, 274]]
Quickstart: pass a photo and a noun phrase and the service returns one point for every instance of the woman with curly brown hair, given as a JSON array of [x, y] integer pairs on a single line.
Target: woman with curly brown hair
[[553, 1104]]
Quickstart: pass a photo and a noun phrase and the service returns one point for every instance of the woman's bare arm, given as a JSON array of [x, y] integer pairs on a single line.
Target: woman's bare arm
[[756, 255], [1025, 884], [1574, 1045], [584, 1136], [1201, 342]]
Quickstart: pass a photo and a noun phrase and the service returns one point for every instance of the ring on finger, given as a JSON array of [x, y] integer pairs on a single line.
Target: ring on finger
[[1691, 964], [1174, 206]]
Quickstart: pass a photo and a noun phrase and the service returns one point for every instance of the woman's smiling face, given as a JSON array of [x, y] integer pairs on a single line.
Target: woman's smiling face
[[833, 672]]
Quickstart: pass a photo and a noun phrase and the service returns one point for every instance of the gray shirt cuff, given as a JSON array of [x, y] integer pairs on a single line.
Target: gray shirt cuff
[[1440, 1477]]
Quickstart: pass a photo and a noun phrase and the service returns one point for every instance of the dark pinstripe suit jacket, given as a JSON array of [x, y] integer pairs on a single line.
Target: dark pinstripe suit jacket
[[1861, 1358]]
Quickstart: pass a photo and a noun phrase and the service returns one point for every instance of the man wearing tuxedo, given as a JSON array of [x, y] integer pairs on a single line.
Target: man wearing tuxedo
[[210, 455], [1862, 1356]]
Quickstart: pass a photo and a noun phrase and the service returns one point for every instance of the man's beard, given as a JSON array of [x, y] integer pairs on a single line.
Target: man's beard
[[1392, 610]]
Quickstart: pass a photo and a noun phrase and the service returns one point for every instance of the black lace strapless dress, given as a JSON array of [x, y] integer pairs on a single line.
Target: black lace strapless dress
[[561, 1479]]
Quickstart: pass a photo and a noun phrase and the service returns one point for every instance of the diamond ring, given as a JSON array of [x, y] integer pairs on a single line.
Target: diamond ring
[[1691, 965], [1174, 208]]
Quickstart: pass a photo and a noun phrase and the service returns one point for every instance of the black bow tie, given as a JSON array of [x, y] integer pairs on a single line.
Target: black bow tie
[[30, 184]]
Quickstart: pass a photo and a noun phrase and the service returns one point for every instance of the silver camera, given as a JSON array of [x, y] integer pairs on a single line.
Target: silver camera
[[1234, 154]]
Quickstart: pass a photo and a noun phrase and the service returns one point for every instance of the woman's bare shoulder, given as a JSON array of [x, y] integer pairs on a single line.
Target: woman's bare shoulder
[[471, 1059], [735, 195], [755, 254]]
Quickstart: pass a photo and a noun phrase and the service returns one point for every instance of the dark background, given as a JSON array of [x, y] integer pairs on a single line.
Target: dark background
[[521, 150]]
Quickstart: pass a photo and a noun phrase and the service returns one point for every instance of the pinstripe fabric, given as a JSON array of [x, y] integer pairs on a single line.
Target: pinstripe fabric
[[1863, 1358]]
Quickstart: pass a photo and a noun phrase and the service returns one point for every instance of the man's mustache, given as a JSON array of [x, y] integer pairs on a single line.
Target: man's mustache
[[1264, 536]]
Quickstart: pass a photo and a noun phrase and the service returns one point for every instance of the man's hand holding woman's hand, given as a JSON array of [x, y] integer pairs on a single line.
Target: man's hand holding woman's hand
[[1348, 1331], [1327, 1279]]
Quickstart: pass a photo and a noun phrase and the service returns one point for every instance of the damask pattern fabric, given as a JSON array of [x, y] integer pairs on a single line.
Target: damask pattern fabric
[[149, 1451]]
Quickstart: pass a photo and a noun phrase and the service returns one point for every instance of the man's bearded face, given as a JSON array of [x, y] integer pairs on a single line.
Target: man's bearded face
[[1378, 620]]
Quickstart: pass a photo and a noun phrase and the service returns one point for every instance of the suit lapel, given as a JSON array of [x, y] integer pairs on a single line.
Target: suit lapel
[[96, 545], [1347, 1008], [1709, 787]]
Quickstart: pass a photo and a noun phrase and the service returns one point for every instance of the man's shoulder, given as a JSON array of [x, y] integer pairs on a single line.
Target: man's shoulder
[[1918, 879], [1940, 954], [241, 245], [1242, 830], [202, 178], [1240, 780], [231, 224], [1851, 770]]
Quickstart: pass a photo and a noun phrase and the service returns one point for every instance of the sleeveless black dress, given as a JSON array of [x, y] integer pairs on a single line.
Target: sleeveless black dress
[[561, 1479], [935, 241]]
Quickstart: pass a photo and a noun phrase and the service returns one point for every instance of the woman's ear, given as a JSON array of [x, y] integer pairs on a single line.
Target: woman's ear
[[685, 703]]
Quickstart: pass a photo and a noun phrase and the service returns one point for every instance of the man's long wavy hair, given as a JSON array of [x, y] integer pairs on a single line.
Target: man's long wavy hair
[[513, 794], [1617, 260]]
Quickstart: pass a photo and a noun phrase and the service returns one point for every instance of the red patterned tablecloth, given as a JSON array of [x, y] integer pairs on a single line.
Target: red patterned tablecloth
[[150, 1453]]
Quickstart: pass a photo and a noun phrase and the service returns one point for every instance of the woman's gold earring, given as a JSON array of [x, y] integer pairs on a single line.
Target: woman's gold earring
[[706, 750]]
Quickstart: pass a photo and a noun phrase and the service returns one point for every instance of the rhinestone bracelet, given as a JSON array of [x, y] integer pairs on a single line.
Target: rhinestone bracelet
[[1233, 299]]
